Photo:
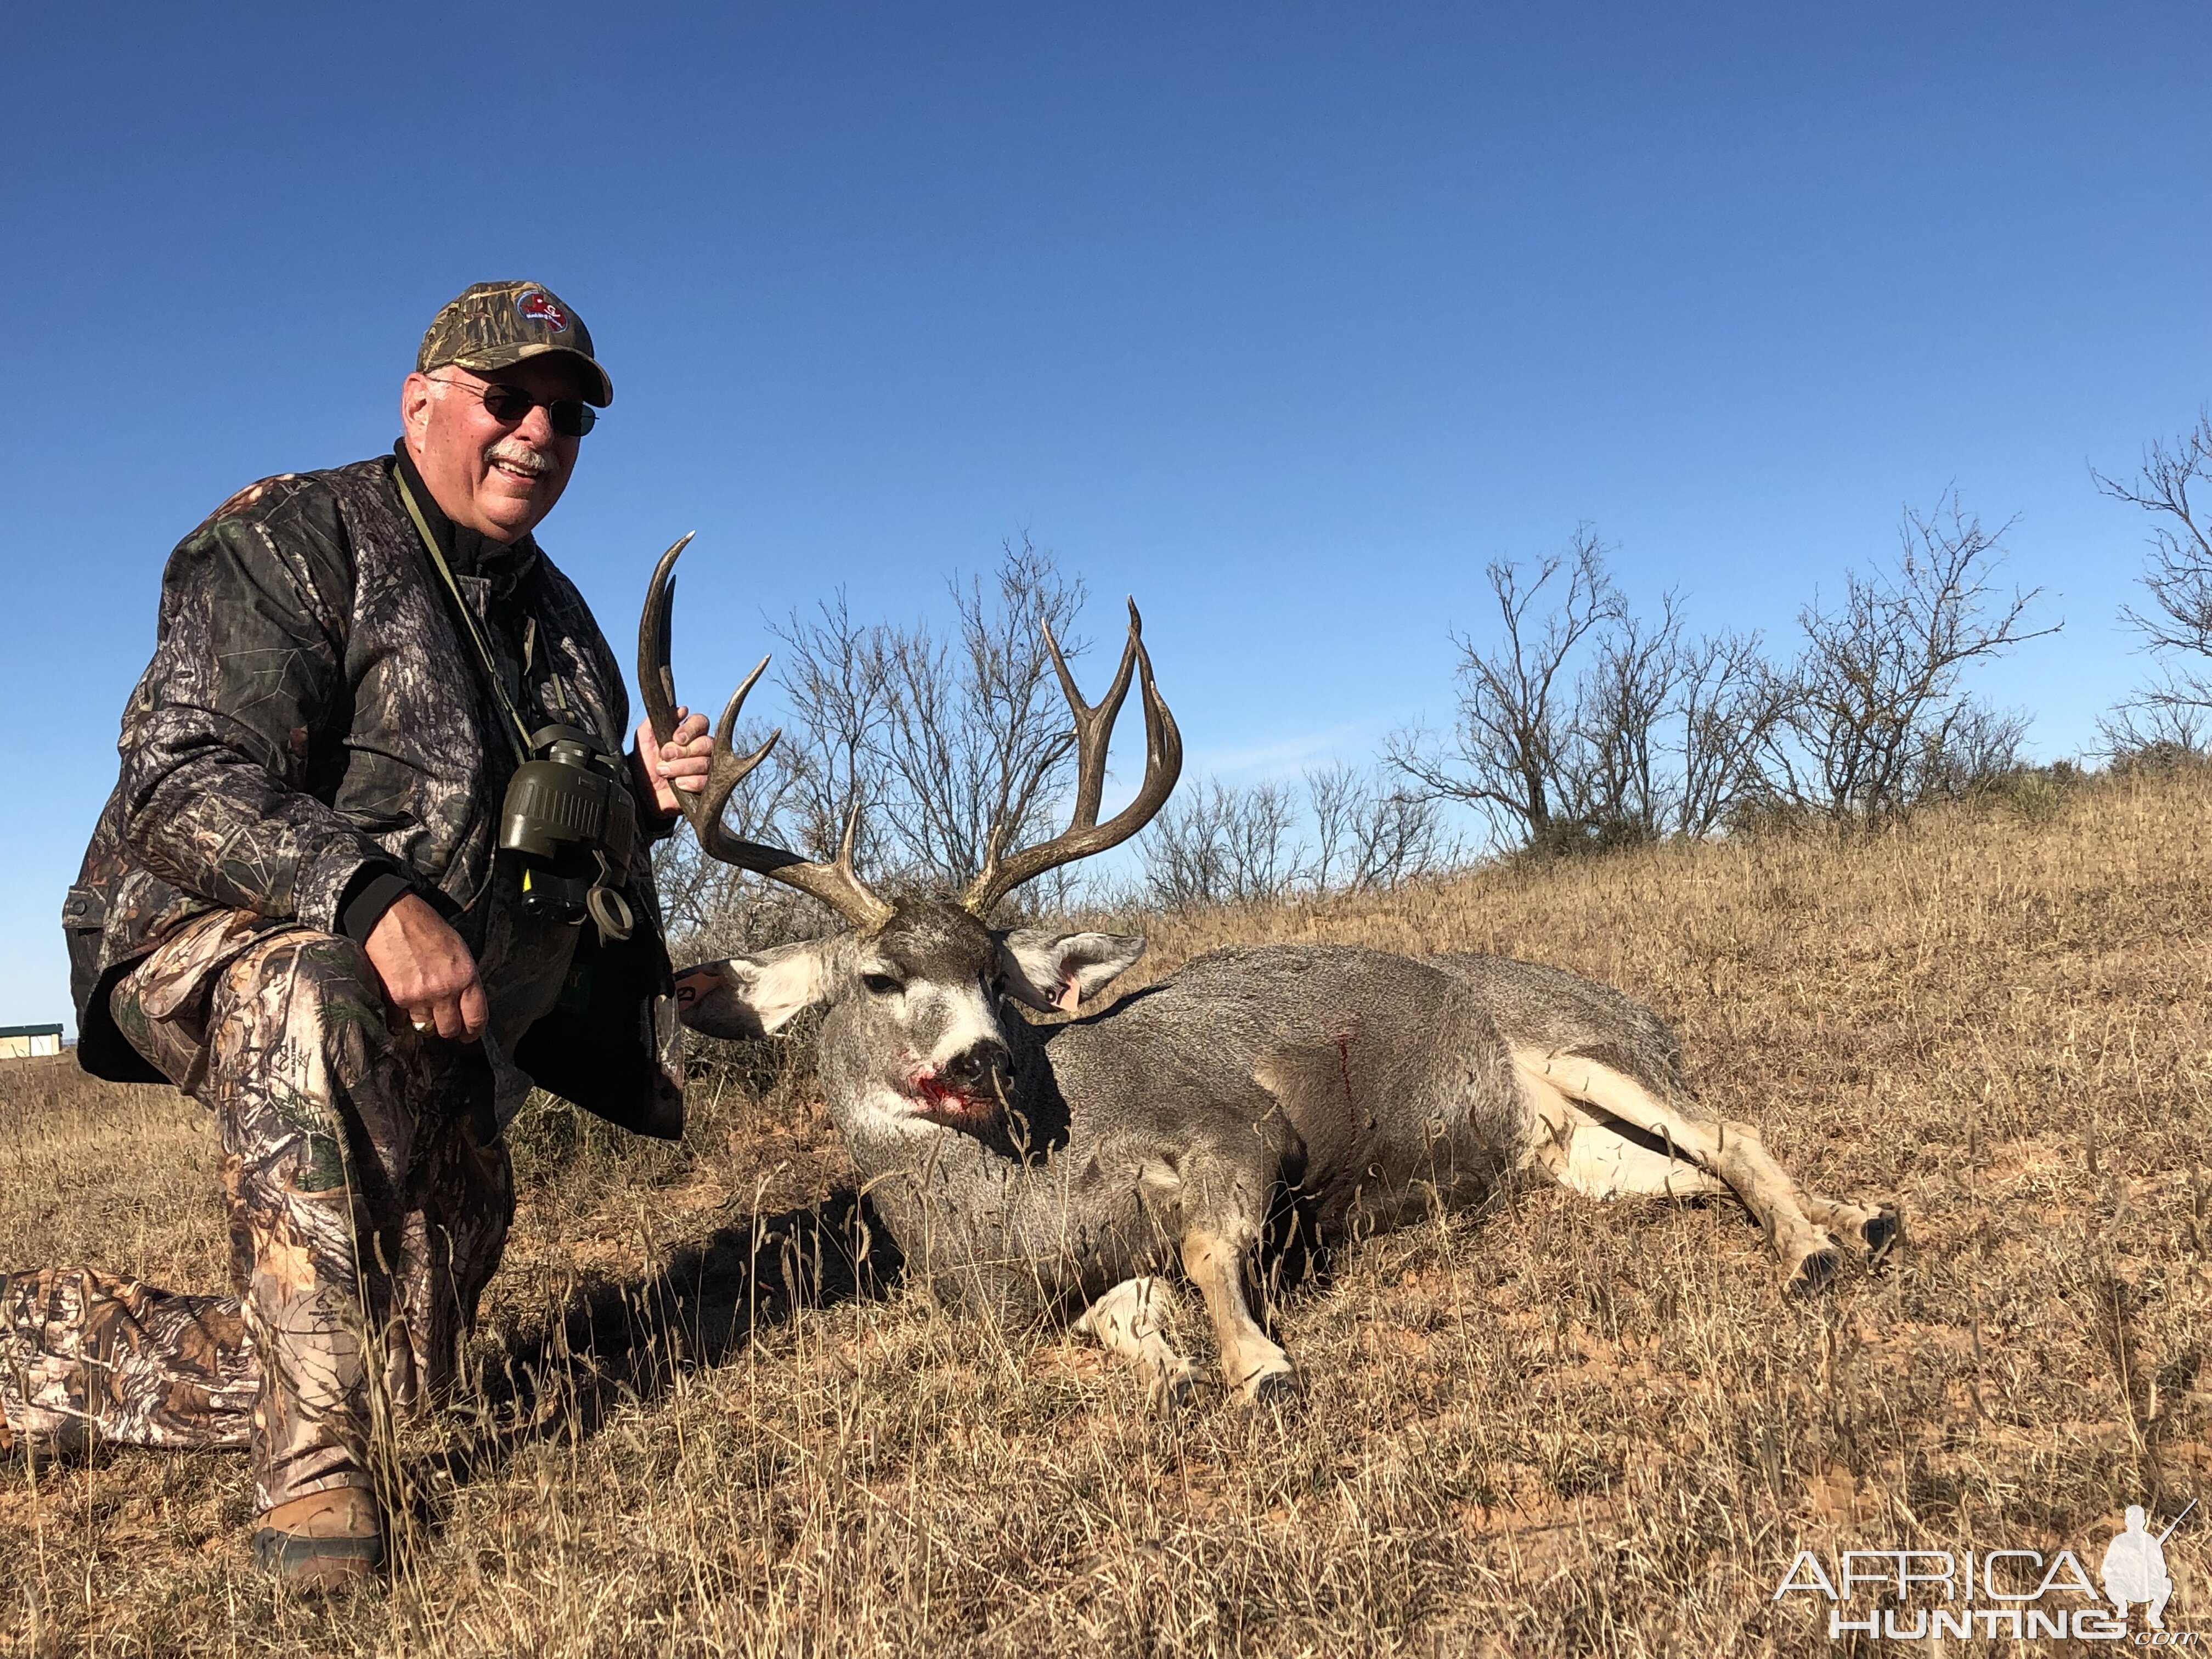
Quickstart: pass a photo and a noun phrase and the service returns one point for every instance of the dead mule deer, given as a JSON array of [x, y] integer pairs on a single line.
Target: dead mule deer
[[1057, 1168]]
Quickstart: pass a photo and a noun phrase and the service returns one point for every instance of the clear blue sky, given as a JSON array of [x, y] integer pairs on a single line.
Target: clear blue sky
[[1286, 318]]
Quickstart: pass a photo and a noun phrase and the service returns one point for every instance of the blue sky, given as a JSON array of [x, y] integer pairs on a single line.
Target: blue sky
[[1284, 318]]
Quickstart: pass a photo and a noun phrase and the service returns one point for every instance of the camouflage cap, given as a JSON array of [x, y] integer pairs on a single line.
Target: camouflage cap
[[496, 324]]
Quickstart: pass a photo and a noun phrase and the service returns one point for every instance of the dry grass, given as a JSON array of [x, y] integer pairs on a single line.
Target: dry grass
[[1551, 1428]]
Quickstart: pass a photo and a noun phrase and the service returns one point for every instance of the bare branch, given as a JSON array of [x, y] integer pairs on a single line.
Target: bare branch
[[1221, 845], [1879, 677], [1515, 725]]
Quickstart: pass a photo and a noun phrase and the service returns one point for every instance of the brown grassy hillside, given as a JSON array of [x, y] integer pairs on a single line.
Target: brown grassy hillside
[[1554, 1427]]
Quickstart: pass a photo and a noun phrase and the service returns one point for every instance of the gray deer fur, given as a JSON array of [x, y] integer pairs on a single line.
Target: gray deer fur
[[1040, 1169], [1169, 1124]]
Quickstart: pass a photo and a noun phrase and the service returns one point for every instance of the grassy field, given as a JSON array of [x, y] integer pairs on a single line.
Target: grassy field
[[1551, 1427]]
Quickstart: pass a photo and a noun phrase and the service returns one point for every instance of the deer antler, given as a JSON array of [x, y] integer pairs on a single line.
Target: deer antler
[[835, 883], [1094, 730]]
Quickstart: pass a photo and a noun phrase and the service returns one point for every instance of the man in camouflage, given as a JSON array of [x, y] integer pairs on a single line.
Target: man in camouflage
[[294, 908]]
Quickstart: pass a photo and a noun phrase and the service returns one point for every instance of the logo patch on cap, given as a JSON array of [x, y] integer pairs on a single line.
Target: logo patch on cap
[[537, 306]]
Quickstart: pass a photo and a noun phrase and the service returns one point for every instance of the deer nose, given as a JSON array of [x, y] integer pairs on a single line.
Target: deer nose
[[971, 1070]]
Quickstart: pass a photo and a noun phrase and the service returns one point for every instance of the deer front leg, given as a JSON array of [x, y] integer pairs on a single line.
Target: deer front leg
[[1130, 1322], [1253, 1366]]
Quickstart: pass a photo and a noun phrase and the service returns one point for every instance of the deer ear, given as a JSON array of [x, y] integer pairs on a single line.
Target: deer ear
[[1058, 970], [751, 996]]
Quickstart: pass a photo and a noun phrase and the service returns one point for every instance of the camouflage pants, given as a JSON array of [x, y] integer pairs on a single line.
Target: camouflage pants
[[365, 1219]]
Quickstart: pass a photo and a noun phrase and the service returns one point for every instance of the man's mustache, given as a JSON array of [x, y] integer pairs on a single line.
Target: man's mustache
[[533, 460]]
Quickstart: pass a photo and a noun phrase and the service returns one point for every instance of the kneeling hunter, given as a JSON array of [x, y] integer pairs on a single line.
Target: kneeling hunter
[[375, 863]]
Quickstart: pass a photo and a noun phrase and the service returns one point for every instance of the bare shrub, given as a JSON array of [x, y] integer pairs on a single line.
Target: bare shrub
[[1612, 767], [1731, 702], [1221, 844], [1583, 724], [1371, 831], [976, 747], [2176, 709], [1517, 747], [2154, 760], [711, 909], [1879, 718], [940, 740], [1358, 831], [940, 743], [1974, 747], [2154, 727]]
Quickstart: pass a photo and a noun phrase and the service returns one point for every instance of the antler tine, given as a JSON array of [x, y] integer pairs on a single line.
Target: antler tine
[[1094, 725], [654, 680], [1085, 835], [836, 883]]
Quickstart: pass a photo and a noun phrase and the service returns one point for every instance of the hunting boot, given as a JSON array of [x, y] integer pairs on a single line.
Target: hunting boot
[[323, 1541]]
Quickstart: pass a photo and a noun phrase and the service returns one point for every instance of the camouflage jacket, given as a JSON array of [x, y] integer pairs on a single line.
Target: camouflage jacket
[[314, 712]]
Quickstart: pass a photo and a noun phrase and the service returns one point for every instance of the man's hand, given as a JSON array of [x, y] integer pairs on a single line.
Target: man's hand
[[426, 971], [665, 768]]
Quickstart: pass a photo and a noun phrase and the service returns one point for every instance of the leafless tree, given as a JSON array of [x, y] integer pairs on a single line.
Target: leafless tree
[[1878, 683], [1221, 844], [938, 742], [1617, 782], [1371, 831], [708, 906], [977, 742], [934, 738], [1974, 744], [1562, 739], [2158, 727], [1731, 704], [1512, 756], [2176, 709], [834, 677]]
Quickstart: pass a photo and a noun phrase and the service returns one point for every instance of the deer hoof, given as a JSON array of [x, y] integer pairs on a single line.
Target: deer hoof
[[1881, 1230], [1272, 1385], [1176, 1391], [1812, 1273]]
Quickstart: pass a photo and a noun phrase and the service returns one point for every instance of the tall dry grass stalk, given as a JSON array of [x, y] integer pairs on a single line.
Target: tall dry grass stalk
[[1552, 1427]]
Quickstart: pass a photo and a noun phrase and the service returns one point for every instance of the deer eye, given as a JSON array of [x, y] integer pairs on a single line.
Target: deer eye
[[881, 985]]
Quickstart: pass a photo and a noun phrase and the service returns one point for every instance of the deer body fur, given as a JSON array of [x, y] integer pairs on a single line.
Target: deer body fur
[[1356, 1089], [1038, 1168]]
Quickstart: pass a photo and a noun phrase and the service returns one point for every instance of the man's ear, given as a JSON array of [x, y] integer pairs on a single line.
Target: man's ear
[[751, 996], [1058, 970], [415, 395]]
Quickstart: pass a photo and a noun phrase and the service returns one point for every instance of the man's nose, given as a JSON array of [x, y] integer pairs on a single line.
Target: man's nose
[[536, 429], [973, 1066]]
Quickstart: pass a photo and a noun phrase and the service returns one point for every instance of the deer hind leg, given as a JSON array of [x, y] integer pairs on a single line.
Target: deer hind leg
[[1592, 1155], [1253, 1366], [1874, 1230], [1732, 1152], [1130, 1322]]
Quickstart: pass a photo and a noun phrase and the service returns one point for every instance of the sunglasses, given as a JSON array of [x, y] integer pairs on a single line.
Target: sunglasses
[[510, 405]]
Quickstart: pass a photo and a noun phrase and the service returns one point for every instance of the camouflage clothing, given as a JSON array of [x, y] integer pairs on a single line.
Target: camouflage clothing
[[85, 1357], [315, 721], [365, 1219], [313, 713]]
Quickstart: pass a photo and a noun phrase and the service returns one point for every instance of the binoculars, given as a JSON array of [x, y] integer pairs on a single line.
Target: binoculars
[[568, 815]]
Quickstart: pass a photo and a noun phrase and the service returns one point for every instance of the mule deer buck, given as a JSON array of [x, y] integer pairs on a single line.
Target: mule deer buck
[[1042, 1168]]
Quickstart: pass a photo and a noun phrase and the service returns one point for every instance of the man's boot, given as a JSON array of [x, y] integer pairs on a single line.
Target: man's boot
[[323, 1541]]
